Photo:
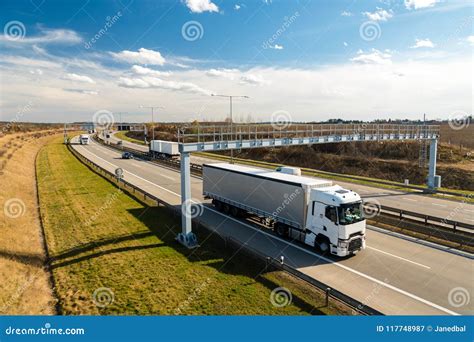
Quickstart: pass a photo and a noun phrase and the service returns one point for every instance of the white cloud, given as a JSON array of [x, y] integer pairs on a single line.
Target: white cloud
[[346, 14], [276, 47], [155, 82], [143, 56], [137, 69], [79, 78], [423, 43], [230, 74], [47, 36], [347, 90], [82, 91], [417, 4], [374, 57], [470, 40], [345, 43], [252, 79], [200, 6], [379, 15], [237, 7]]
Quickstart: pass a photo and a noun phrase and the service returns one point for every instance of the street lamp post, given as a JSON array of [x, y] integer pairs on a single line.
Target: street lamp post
[[230, 97], [152, 117]]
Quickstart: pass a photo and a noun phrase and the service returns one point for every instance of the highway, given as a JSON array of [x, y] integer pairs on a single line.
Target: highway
[[410, 201], [393, 275]]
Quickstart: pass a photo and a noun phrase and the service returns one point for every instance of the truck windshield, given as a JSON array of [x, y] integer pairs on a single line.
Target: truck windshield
[[350, 213]]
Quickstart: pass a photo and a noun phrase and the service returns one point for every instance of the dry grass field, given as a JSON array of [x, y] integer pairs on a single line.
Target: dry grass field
[[25, 285]]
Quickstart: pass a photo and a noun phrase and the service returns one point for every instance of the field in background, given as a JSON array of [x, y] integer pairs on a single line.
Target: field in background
[[24, 287], [102, 241]]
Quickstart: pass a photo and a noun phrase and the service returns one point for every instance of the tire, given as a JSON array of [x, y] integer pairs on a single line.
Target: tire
[[226, 208], [218, 205], [234, 211], [281, 230], [323, 245]]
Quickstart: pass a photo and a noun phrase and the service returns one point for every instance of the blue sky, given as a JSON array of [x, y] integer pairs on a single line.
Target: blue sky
[[66, 60]]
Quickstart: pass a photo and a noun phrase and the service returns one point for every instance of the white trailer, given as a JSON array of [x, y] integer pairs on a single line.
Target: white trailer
[[84, 139], [311, 210], [164, 149]]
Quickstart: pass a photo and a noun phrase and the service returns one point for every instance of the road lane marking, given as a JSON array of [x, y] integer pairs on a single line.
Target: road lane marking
[[411, 200], [439, 205], [347, 268], [399, 257]]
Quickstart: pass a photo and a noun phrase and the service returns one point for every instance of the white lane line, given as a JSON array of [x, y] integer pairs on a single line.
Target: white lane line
[[399, 257], [469, 210], [347, 268], [411, 200], [439, 205]]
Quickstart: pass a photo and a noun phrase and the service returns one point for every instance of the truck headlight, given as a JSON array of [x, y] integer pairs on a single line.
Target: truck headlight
[[343, 244]]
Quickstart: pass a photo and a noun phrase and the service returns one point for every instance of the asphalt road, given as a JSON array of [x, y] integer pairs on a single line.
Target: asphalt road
[[410, 201], [393, 275]]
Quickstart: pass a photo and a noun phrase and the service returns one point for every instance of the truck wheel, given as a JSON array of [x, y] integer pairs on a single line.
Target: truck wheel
[[234, 211], [323, 245], [281, 230], [218, 205]]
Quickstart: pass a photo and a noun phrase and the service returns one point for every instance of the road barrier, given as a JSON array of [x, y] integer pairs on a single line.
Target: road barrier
[[442, 228], [329, 292], [356, 306]]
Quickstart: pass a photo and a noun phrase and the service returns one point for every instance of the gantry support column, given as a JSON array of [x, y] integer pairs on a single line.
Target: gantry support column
[[432, 183], [186, 237]]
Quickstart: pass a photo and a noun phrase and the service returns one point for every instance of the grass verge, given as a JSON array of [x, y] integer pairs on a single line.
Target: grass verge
[[123, 135], [102, 240]]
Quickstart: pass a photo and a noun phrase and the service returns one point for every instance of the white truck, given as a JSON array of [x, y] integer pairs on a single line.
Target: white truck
[[84, 139], [311, 210], [164, 149]]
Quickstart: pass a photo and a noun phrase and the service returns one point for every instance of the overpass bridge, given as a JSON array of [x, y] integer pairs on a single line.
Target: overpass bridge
[[278, 134]]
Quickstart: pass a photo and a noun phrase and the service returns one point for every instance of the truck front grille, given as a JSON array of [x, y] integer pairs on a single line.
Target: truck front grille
[[355, 245]]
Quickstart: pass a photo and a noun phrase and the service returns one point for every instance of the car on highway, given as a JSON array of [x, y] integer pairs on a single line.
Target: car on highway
[[127, 155]]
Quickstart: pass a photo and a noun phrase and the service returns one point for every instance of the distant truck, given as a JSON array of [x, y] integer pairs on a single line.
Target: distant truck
[[84, 139], [311, 210], [164, 149]]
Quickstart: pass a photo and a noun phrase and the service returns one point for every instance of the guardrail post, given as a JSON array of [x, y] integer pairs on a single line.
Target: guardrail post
[[328, 291], [186, 237]]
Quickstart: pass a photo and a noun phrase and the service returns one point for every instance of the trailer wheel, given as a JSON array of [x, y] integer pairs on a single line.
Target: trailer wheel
[[234, 211], [226, 208], [218, 205], [281, 229]]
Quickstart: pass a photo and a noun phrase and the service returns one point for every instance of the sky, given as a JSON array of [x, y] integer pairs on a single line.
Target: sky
[[66, 61]]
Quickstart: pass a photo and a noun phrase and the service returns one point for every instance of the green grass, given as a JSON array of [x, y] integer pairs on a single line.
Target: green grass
[[123, 135], [462, 195], [99, 236]]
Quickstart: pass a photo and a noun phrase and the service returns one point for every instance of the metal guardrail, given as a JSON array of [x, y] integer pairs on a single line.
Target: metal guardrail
[[436, 226], [330, 292], [427, 219]]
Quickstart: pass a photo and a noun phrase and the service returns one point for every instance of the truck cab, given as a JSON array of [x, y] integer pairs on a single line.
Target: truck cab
[[336, 221], [84, 139]]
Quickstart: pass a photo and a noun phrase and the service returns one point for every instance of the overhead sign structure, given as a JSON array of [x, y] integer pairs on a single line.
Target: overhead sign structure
[[225, 137]]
